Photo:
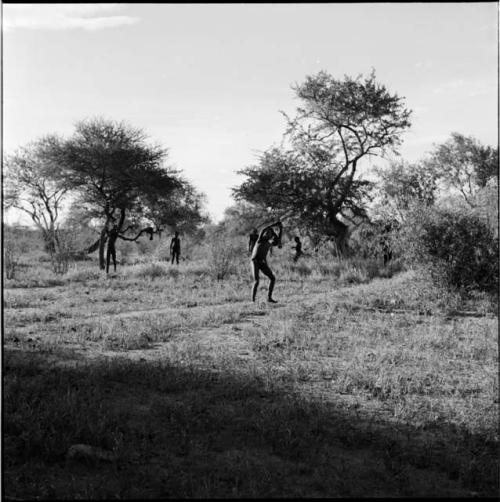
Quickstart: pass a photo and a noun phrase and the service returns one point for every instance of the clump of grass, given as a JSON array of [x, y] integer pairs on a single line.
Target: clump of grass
[[354, 275], [301, 268], [197, 269], [34, 277], [330, 268], [125, 334], [17, 301], [392, 268], [154, 271], [83, 274]]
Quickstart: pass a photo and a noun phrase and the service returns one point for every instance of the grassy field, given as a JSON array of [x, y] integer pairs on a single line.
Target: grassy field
[[361, 381]]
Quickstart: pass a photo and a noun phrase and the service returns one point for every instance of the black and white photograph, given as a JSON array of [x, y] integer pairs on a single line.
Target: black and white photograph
[[250, 250]]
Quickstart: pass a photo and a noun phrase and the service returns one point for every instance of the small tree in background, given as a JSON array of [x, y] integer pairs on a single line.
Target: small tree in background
[[465, 165], [401, 186], [30, 187], [468, 174]]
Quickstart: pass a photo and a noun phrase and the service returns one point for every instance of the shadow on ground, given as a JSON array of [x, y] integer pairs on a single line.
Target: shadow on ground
[[180, 431]]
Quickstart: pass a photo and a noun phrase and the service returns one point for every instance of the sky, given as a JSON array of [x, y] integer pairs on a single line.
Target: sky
[[208, 81]]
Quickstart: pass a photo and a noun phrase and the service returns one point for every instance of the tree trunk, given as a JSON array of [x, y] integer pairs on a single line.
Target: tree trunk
[[51, 242], [48, 242], [339, 232], [102, 243]]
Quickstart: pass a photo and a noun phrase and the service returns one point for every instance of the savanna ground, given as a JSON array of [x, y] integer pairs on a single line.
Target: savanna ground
[[362, 381]]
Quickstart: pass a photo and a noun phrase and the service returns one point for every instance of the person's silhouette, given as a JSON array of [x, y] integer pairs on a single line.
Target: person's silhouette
[[298, 249], [267, 238], [111, 253], [175, 248]]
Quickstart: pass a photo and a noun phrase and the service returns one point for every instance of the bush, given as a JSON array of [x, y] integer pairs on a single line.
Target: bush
[[458, 246], [223, 254]]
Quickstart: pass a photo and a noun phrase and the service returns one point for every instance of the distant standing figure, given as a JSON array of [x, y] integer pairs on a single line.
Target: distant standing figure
[[386, 243], [298, 249], [252, 239], [267, 238], [111, 253], [175, 248]]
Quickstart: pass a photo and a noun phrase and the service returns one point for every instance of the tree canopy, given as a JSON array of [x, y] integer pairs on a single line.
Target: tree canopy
[[402, 184], [465, 165]]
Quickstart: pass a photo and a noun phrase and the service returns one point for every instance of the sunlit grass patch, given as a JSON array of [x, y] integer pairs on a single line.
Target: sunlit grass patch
[[409, 290], [152, 271], [84, 274], [123, 333]]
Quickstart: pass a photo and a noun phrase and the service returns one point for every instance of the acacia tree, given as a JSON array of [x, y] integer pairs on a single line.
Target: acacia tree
[[313, 178], [286, 185], [116, 171], [29, 187]]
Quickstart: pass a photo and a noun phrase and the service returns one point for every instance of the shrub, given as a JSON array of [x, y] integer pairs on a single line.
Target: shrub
[[458, 246], [64, 250], [223, 256]]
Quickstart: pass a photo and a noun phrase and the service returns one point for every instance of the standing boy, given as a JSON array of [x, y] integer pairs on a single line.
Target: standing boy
[[175, 248]]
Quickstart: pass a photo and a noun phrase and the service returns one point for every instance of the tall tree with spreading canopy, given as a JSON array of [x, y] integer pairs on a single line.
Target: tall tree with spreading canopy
[[117, 171], [29, 187], [313, 178]]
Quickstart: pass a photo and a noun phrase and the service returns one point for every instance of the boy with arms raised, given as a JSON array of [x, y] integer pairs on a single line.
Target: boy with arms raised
[[267, 238]]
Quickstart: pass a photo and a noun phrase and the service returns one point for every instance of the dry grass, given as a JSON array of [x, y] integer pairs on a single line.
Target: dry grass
[[358, 383]]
